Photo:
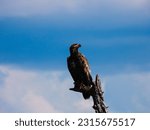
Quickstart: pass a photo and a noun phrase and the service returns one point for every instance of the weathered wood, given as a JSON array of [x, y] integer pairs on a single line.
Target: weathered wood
[[98, 99]]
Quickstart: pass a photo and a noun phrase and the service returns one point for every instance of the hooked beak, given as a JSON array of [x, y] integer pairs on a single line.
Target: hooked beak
[[78, 45]]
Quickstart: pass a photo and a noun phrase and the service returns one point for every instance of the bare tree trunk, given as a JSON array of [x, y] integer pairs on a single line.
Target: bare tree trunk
[[97, 95]]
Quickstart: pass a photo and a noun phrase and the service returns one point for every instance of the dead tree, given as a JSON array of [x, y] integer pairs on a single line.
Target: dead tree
[[96, 93]]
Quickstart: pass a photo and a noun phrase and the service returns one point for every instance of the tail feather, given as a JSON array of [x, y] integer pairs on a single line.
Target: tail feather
[[86, 95]]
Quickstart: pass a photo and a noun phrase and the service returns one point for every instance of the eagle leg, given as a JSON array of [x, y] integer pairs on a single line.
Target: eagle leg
[[77, 87], [80, 87]]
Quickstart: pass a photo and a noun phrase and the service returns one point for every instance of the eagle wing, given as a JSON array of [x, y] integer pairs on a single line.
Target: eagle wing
[[72, 67], [84, 70], [79, 69]]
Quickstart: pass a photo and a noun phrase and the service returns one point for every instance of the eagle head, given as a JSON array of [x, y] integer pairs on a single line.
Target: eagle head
[[74, 48]]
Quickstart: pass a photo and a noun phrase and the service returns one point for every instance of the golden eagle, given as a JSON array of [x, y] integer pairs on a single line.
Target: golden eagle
[[79, 69]]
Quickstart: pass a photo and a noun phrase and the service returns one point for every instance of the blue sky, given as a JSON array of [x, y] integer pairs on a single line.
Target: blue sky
[[35, 36]]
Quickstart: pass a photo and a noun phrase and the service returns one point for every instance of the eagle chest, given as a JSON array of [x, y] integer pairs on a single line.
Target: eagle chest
[[78, 60], [79, 66]]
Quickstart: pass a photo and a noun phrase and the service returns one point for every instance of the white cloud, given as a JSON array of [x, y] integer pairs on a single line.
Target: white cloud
[[36, 103], [130, 3], [50, 7], [95, 14], [26, 90], [128, 92], [84, 105], [36, 7], [48, 91], [37, 91]]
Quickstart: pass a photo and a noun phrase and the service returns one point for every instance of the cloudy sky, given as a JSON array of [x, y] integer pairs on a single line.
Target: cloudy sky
[[34, 39]]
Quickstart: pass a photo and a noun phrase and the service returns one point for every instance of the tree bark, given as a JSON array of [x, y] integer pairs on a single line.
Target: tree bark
[[97, 95]]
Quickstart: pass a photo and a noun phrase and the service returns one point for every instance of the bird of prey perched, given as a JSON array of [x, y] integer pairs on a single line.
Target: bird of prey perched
[[79, 69]]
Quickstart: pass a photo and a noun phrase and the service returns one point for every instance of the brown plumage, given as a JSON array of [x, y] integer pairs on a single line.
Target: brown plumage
[[79, 70]]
